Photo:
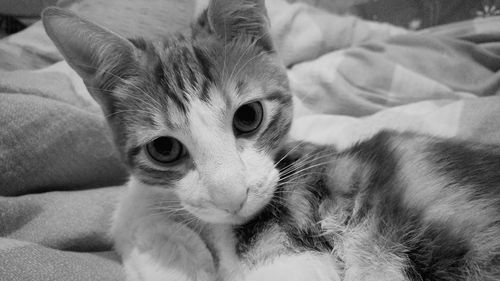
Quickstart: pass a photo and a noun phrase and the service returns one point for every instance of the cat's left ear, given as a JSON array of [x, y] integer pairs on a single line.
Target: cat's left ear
[[230, 19]]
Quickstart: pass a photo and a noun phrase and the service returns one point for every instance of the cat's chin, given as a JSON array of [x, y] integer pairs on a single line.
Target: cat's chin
[[215, 216]]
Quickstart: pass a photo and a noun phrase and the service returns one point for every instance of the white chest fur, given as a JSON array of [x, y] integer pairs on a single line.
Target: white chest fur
[[155, 247], [301, 267]]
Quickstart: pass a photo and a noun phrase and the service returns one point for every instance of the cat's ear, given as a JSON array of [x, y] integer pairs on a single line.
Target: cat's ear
[[237, 18], [98, 55]]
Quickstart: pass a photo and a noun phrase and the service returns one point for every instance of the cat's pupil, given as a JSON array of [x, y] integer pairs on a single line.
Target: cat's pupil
[[164, 145], [248, 118], [165, 150], [246, 115]]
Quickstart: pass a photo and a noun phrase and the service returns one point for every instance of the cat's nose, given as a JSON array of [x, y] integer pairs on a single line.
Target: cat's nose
[[231, 202], [227, 185], [228, 195]]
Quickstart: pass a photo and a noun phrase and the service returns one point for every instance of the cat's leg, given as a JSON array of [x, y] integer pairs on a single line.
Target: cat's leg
[[154, 246], [164, 252]]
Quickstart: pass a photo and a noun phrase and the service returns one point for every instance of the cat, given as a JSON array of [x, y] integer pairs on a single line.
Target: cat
[[197, 117], [218, 192]]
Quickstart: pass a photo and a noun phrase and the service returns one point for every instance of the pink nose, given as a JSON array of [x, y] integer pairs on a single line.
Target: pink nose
[[230, 200], [226, 183]]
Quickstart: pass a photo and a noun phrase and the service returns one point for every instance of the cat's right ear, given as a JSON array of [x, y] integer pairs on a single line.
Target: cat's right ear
[[230, 19], [98, 55]]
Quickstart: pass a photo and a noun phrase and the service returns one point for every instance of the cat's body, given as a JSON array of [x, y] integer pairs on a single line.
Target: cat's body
[[201, 119], [394, 207]]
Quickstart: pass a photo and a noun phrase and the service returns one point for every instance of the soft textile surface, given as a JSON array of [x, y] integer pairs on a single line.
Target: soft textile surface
[[350, 79]]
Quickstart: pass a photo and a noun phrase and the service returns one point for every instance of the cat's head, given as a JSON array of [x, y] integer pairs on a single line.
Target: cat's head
[[201, 114]]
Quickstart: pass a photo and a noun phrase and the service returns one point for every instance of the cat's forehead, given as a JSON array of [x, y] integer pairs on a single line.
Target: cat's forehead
[[183, 70], [220, 63], [190, 84]]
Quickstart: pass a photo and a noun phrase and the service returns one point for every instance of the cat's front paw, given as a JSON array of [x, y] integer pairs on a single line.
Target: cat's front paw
[[159, 250], [150, 266]]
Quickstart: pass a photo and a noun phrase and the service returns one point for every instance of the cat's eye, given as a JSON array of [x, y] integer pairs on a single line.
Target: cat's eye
[[165, 150], [248, 118]]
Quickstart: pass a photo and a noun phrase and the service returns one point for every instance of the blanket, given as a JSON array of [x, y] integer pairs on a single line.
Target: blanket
[[60, 175]]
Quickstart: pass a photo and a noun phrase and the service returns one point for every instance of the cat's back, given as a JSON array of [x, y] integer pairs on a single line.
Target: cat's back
[[421, 208]]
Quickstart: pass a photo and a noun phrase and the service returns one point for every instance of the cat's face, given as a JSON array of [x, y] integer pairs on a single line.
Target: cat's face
[[216, 113], [201, 115]]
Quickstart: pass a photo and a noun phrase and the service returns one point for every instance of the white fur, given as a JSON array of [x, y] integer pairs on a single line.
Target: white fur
[[152, 245], [232, 180], [303, 267], [231, 269], [156, 248]]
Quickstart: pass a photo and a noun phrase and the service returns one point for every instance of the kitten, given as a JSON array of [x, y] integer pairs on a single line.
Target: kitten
[[200, 119]]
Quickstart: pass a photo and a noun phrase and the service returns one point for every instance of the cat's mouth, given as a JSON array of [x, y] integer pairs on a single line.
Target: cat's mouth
[[215, 215], [258, 198]]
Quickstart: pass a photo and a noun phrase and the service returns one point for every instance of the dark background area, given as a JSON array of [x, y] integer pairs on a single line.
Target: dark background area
[[414, 14], [417, 14]]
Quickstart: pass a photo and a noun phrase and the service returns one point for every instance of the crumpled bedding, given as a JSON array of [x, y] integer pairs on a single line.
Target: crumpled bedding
[[60, 175]]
